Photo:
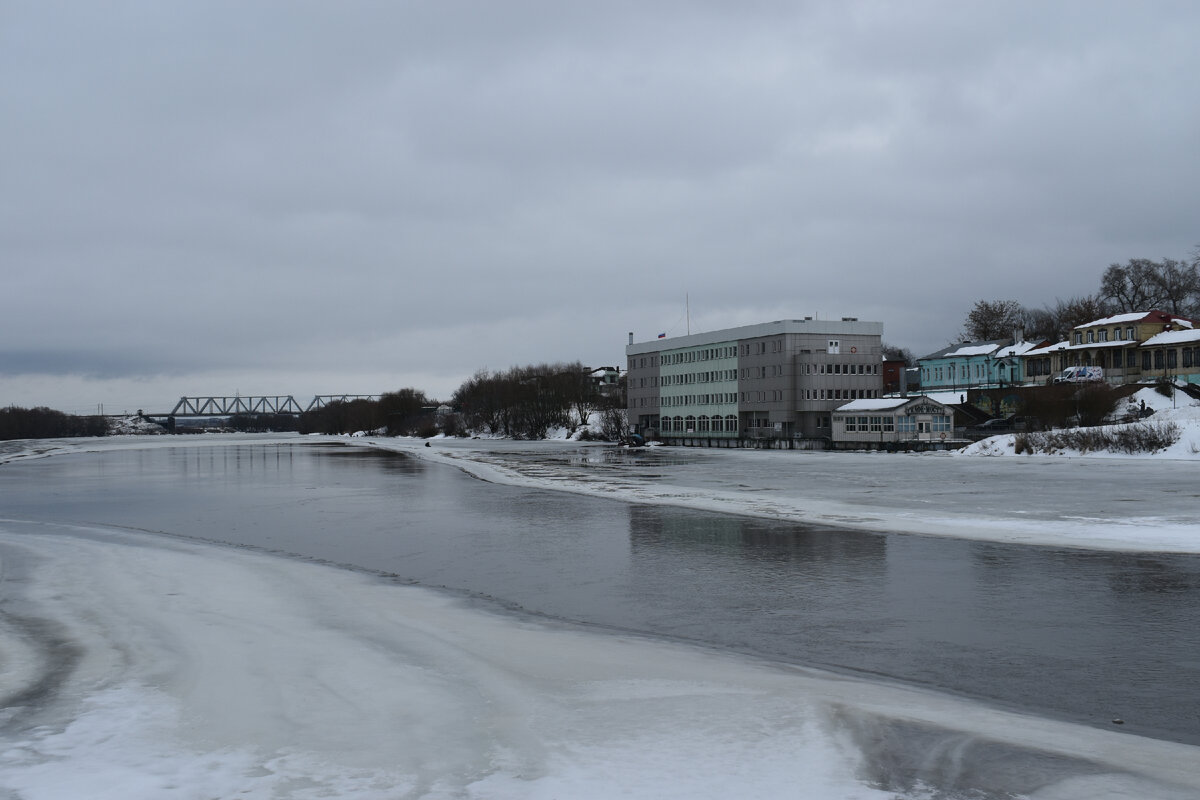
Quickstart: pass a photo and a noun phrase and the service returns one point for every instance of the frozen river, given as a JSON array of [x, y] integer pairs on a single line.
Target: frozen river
[[1057, 642]]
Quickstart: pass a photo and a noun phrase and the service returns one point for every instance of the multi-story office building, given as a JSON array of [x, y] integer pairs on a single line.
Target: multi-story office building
[[776, 380]]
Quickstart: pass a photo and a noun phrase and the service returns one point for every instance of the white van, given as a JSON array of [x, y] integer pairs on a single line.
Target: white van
[[1080, 375]]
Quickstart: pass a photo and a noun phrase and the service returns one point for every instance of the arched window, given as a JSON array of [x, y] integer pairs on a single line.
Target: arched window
[[689, 424], [703, 423], [731, 424]]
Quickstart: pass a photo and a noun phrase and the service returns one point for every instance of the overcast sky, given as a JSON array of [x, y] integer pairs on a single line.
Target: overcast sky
[[348, 197]]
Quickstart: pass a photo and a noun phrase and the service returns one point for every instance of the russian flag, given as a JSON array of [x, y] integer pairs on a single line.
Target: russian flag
[[662, 336]]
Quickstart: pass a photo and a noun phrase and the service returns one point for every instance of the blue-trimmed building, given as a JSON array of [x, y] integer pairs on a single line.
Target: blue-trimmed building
[[975, 365]]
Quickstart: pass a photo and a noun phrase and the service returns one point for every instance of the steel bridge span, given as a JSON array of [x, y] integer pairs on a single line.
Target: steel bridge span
[[254, 404]]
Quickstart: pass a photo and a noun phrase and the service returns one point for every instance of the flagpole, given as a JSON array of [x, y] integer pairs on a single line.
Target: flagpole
[[687, 304]]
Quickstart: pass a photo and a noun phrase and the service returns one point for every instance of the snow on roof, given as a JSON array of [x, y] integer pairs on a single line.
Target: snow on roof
[[1173, 337], [1133, 316], [972, 350], [1137, 316], [874, 404], [1047, 350], [1018, 349], [888, 403]]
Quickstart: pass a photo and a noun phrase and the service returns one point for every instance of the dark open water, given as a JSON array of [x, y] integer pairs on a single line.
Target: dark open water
[[1083, 636]]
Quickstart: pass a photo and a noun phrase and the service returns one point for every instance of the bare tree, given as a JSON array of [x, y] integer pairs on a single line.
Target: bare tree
[[1178, 286], [1074, 311], [993, 319], [1130, 287]]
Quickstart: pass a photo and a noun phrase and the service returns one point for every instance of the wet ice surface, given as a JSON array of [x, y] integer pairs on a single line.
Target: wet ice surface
[[1115, 504], [140, 667]]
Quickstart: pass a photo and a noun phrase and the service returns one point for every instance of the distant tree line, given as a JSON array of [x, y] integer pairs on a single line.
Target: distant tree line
[[46, 423], [1138, 285], [407, 412], [263, 423], [526, 402]]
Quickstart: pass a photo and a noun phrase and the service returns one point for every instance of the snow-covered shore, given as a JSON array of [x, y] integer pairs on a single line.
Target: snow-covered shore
[[1096, 500]]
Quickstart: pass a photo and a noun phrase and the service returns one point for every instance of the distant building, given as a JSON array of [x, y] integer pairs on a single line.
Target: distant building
[[917, 421], [1138, 346], [971, 365], [773, 381]]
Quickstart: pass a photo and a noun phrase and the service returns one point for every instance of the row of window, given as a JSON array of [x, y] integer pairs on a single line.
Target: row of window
[[699, 377], [707, 354], [669, 359], [700, 399], [1101, 335], [841, 369], [955, 372], [840, 394], [1173, 358], [701, 424], [904, 424]]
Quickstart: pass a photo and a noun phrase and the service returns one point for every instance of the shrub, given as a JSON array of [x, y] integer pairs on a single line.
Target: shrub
[[1145, 437]]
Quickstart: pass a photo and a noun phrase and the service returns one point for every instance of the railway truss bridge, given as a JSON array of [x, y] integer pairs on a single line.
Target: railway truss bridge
[[254, 404]]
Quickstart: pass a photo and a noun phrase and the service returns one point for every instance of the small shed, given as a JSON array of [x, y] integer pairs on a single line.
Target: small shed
[[885, 422]]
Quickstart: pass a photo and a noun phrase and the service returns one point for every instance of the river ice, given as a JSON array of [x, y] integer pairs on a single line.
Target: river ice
[[141, 667]]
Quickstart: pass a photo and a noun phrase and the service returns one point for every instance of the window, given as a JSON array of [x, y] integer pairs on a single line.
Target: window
[[1172, 358], [907, 424], [1078, 337], [1146, 360], [1091, 336], [941, 422], [876, 424], [889, 424], [1129, 331], [1103, 335], [851, 424], [1187, 356], [1131, 359], [1158, 359]]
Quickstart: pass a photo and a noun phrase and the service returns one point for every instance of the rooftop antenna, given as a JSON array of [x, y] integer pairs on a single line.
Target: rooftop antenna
[[687, 304]]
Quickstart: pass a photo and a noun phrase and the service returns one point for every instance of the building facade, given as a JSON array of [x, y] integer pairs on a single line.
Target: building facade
[[973, 365], [887, 421], [775, 380], [1135, 347]]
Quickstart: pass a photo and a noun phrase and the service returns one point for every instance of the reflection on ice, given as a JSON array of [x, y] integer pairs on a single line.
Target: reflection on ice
[[211, 672]]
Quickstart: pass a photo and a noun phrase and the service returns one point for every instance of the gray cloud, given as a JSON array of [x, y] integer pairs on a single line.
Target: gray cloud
[[398, 192]]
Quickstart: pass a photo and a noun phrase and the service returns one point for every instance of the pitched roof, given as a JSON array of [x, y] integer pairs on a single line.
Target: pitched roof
[[964, 349], [1173, 337], [1153, 315]]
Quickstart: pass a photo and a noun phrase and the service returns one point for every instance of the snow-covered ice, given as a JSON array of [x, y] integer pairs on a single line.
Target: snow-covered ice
[[202, 671], [1096, 500]]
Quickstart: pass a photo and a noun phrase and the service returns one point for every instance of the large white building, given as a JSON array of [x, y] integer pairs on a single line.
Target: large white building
[[776, 380]]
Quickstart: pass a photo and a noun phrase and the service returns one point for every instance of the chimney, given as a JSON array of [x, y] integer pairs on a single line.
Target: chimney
[[631, 337]]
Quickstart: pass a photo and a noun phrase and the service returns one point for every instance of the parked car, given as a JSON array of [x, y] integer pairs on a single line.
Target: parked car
[[1080, 375]]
